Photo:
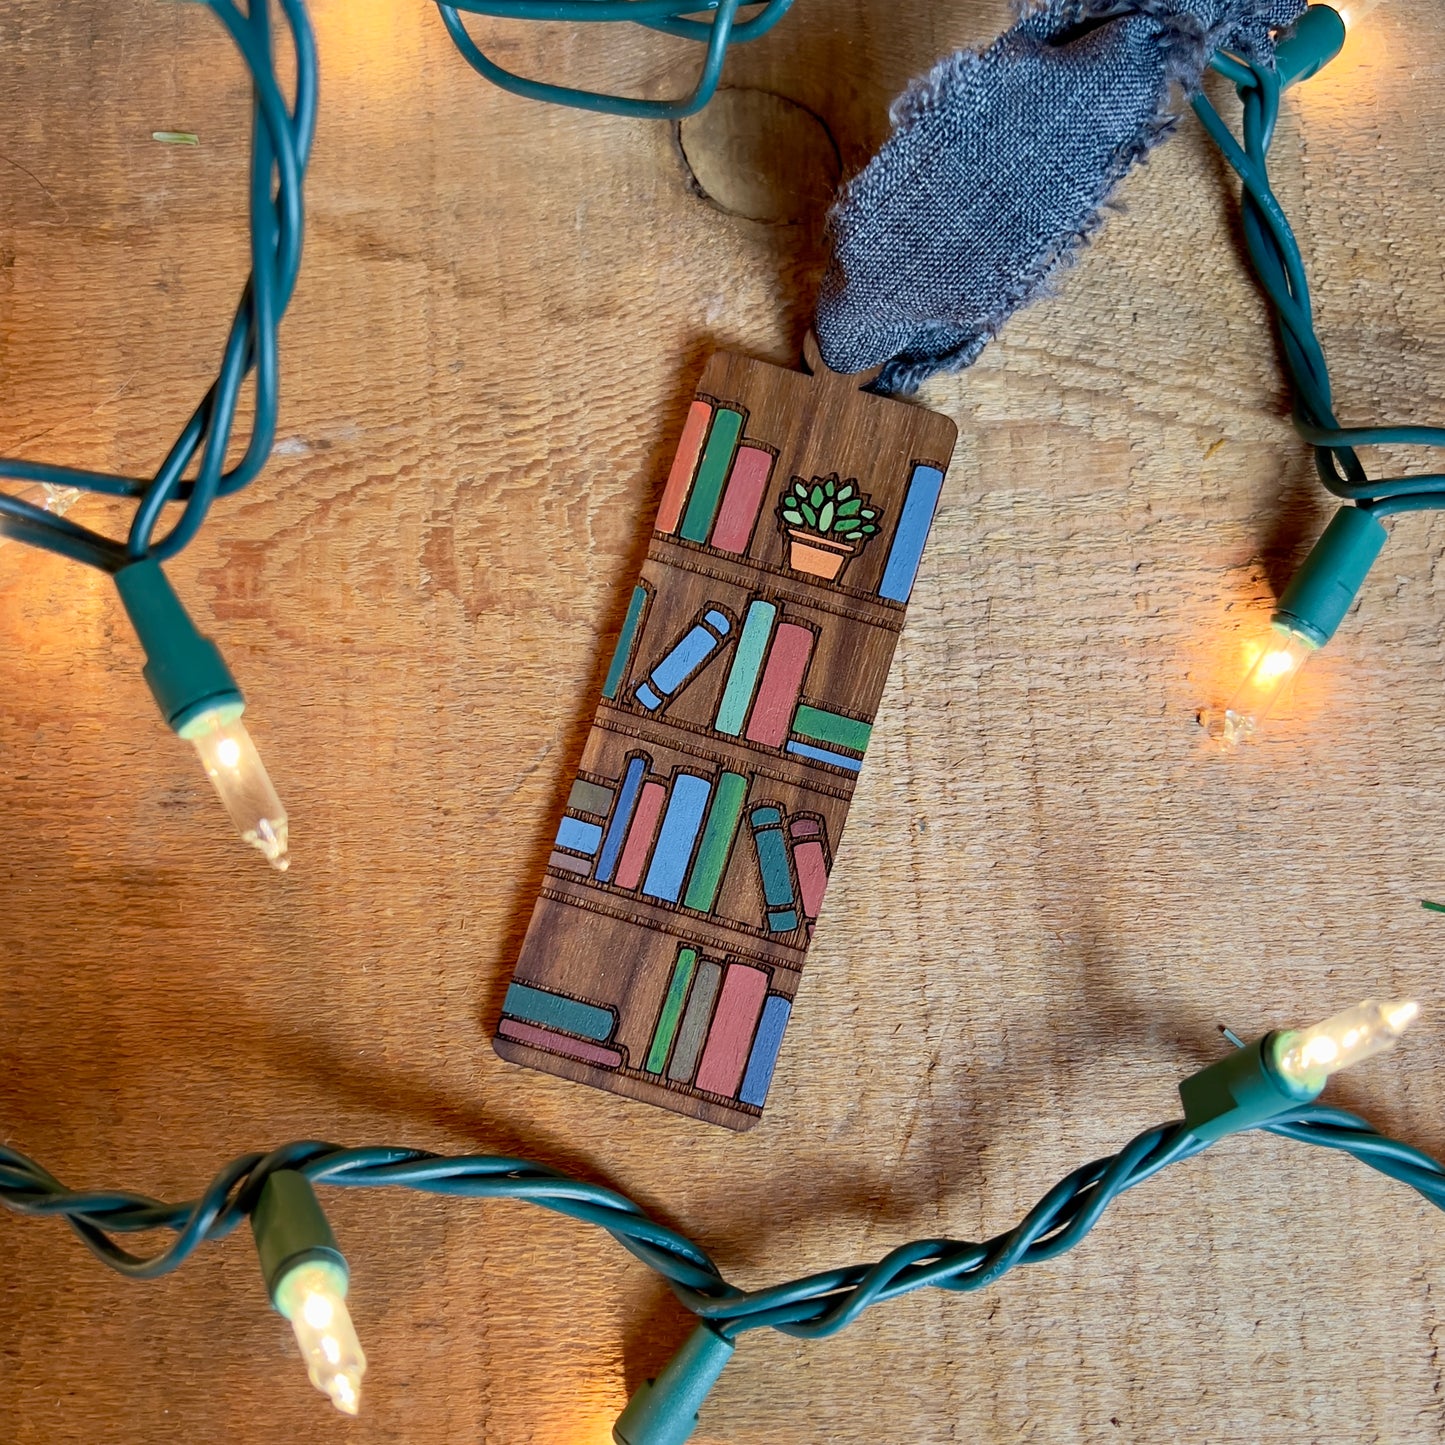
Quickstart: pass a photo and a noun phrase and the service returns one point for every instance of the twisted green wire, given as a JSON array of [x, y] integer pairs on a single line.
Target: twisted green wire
[[281, 144], [811, 1307], [1275, 258], [667, 16]]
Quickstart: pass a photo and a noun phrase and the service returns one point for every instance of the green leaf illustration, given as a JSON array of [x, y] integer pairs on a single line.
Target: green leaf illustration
[[829, 507]]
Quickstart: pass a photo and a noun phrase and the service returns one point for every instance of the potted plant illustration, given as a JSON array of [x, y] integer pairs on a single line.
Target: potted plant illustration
[[827, 522]]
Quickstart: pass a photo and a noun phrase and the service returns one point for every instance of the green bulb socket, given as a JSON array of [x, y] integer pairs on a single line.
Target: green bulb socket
[[664, 1411], [1310, 46], [290, 1229], [1321, 592], [1243, 1089], [185, 671]]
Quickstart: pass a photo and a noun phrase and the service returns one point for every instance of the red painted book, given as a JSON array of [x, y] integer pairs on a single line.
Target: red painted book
[[772, 715]]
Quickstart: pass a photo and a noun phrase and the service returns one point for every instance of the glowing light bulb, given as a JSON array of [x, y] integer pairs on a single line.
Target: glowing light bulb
[[1277, 666], [313, 1297], [1308, 1057], [235, 768]]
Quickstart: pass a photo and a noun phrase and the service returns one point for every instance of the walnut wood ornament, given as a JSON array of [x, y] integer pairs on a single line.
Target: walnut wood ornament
[[690, 864]]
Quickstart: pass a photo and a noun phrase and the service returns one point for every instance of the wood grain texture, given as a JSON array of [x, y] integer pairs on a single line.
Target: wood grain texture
[[1048, 894]]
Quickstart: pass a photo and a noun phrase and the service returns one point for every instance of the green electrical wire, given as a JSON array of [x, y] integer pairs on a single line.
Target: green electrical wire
[[811, 1307], [667, 16], [281, 147], [281, 144], [1275, 257]]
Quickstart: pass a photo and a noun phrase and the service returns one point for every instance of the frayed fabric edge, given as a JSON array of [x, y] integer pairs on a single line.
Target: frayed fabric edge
[[904, 374], [1187, 43]]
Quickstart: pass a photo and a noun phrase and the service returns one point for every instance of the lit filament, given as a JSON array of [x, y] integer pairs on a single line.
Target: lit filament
[[1309, 1056], [313, 1297], [240, 779], [1264, 685]]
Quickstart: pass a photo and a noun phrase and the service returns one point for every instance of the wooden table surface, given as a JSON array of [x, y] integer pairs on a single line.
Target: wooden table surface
[[1050, 891]]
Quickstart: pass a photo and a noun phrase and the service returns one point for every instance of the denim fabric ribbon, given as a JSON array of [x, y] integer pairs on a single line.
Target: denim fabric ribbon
[[999, 167]]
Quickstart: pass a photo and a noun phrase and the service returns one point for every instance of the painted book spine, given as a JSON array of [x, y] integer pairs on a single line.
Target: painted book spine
[[764, 1056], [671, 1015], [695, 1019], [681, 824], [924, 488], [622, 653], [589, 797], [777, 877], [616, 833], [833, 728], [578, 835], [781, 683], [825, 755], [712, 472], [557, 1011], [810, 863], [739, 1005], [569, 863], [684, 659], [743, 500], [752, 648], [684, 466], [717, 842], [640, 835], [540, 1038]]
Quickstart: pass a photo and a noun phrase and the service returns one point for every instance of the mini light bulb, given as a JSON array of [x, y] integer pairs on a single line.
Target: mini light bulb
[[56, 500], [235, 768], [1284, 654], [313, 1297], [1308, 1057]]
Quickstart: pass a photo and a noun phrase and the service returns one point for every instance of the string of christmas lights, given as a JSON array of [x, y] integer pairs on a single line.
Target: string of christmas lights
[[1271, 1084], [196, 693], [1326, 585], [1322, 591]]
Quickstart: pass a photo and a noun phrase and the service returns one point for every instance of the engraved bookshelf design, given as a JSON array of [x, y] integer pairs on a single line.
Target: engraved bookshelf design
[[689, 867]]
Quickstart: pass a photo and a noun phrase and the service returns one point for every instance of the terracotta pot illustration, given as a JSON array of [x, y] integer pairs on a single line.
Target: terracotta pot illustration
[[818, 556], [827, 521]]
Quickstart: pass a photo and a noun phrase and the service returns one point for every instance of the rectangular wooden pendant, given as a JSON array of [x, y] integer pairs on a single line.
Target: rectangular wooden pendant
[[689, 867]]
